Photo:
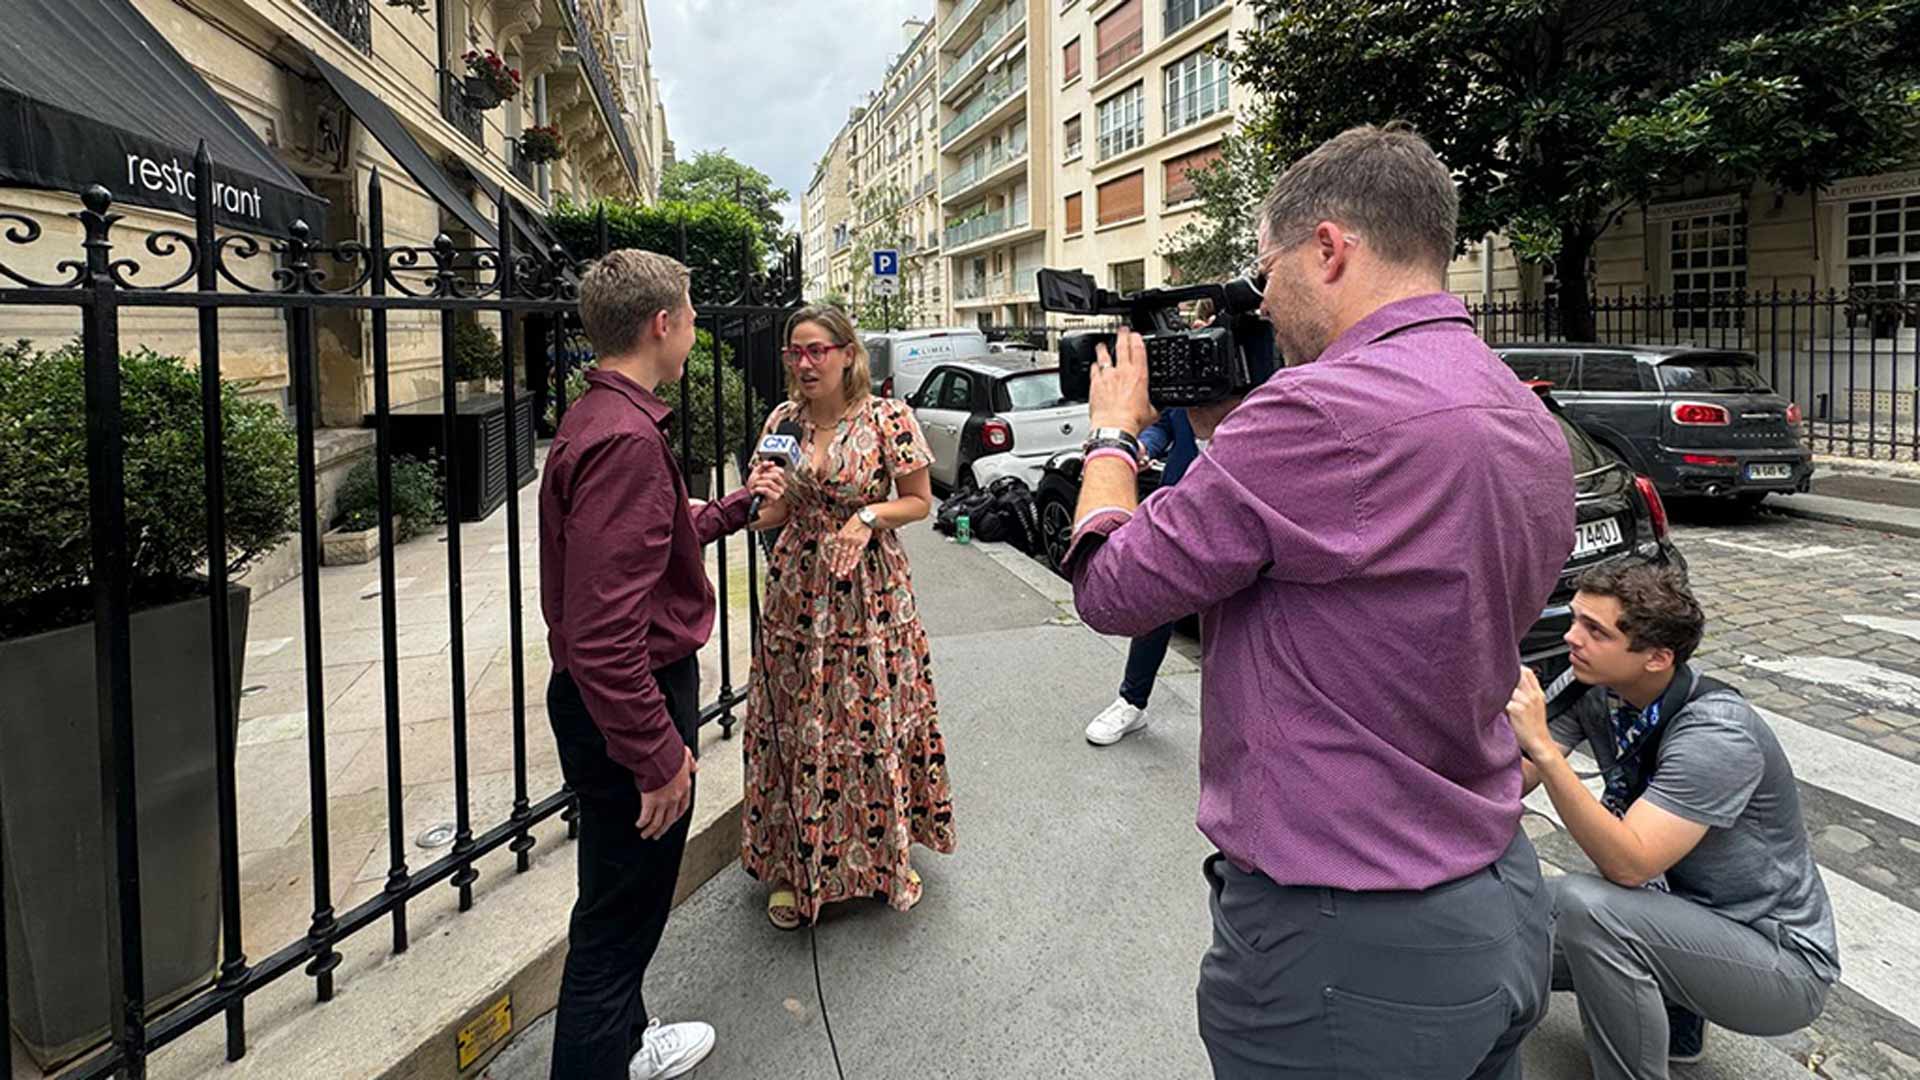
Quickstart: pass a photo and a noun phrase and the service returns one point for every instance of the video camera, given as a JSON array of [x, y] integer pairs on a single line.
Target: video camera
[[1185, 366]]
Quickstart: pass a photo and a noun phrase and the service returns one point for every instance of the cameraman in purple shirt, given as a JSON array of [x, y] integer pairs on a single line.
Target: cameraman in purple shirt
[[1367, 537]]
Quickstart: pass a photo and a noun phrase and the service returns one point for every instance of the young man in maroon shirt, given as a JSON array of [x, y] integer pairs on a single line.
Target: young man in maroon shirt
[[628, 606]]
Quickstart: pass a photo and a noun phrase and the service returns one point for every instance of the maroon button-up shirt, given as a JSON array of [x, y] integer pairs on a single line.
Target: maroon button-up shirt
[[622, 583]]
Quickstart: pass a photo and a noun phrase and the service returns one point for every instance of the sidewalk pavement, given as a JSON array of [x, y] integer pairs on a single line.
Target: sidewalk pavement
[[1064, 936], [1879, 495]]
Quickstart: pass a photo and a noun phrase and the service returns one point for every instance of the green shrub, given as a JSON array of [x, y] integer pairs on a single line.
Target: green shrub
[[476, 351], [417, 502], [718, 234], [46, 558], [698, 412]]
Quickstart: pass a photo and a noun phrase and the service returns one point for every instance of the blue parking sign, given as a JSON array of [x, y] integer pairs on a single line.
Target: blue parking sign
[[886, 263]]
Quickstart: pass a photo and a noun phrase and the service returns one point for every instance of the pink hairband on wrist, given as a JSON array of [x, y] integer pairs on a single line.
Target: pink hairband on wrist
[[1116, 454]]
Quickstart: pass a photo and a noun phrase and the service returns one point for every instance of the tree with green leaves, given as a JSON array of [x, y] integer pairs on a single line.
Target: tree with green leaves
[[882, 217], [1558, 116], [713, 176]]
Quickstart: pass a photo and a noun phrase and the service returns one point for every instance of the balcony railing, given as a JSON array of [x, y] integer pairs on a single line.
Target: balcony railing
[[603, 90], [959, 16], [993, 94], [454, 107], [350, 18], [905, 89], [985, 225], [1197, 104], [983, 166], [1118, 53], [1182, 13], [517, 161], [980, 288], [999, 26]]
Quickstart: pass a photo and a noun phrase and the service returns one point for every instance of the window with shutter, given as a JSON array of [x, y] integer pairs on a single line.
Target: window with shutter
[[1074, 225], [1179, 180], [1119, 38], [1123, 199], [1071, 68]]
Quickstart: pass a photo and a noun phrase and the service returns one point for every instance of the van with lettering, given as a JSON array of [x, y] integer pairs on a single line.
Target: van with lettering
[[901, 359]]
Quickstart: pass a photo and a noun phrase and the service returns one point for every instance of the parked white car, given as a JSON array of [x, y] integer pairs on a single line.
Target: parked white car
[[901, 359], [997, 407]]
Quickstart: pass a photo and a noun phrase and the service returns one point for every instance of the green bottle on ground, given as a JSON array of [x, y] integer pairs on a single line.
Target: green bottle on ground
[[963, 530]]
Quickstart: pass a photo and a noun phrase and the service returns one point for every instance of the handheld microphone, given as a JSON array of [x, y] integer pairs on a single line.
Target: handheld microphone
[[783, 449]]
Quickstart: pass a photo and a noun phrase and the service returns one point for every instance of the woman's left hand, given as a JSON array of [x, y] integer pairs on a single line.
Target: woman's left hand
[[846, 547]]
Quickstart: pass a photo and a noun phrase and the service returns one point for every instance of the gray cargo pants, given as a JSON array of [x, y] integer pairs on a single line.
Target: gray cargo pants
[[1621, 949], [1314, 983]]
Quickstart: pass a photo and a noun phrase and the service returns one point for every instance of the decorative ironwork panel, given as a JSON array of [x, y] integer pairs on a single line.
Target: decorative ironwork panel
[[351, 18]]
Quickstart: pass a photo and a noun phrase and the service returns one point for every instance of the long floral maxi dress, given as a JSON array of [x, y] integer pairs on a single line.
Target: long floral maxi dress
[[842, 674]]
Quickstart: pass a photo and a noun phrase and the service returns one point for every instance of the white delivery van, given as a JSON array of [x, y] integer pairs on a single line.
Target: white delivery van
[[902, 358]]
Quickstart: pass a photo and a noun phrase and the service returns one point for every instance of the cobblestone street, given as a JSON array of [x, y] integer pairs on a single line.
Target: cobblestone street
[[1819, 624]]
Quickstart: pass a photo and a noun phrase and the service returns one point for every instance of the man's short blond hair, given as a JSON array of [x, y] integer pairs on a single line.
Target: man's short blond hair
[[622, 293]]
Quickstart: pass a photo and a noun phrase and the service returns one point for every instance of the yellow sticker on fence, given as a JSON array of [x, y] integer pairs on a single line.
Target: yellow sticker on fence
[[483, 1032]]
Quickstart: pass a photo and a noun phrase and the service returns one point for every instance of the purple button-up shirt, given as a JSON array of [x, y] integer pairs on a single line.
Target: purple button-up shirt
[[622, 582], [1366, 539]]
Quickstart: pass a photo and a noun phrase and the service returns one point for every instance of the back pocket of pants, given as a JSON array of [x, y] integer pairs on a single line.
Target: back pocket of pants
[[1374, 1039]]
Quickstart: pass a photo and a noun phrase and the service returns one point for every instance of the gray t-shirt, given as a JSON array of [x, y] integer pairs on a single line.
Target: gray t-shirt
[[1719, 765]]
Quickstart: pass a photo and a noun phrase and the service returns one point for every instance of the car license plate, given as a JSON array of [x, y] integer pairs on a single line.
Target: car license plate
[[1769, 472], [1595, 537]]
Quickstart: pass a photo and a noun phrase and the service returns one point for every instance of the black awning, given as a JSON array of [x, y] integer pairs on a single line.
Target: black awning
[[91, 93], [413, 157]]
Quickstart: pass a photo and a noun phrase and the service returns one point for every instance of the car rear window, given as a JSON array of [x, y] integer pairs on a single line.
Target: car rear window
[[1039, 390], [1731, 373], [1588, 456]]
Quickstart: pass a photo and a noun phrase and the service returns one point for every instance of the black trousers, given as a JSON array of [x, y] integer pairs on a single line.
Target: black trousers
[[626, 884]]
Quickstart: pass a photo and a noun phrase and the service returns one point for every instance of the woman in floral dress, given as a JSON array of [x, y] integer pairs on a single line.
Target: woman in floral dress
[[840, 735]]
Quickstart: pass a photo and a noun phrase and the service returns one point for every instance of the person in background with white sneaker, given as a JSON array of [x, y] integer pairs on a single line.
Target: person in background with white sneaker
[[1172, 437]]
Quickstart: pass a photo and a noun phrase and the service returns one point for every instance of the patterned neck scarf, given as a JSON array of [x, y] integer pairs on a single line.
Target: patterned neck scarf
[[1632, 728]]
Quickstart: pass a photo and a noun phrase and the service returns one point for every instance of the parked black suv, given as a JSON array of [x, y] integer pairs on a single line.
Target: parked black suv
[[1618, 516], [1700, 422]]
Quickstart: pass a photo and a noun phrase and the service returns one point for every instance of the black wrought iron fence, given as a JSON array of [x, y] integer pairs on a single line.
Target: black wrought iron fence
[[1847, 358], [533, 294]]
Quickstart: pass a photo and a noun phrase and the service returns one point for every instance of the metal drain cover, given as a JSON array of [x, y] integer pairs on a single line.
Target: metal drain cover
[[439, 836]]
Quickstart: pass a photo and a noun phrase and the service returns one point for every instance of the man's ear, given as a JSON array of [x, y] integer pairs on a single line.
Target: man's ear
[[661, 324], [1335, 251], [1659, 660]]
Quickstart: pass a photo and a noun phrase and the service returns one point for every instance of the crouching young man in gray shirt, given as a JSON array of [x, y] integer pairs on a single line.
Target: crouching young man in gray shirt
[[1709, 904]]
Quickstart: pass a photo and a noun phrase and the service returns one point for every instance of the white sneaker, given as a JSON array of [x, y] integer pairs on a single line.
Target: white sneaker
[[1113, 725], [669, 1050]]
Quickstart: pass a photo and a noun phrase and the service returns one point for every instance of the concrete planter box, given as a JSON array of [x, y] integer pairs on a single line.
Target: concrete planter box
[[56, 852], [343, 548]]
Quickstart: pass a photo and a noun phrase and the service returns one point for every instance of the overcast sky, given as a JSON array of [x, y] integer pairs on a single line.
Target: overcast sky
[[771, 80]]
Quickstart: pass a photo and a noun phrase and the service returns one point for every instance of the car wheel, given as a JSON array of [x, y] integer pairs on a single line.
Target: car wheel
[[1056, 528]]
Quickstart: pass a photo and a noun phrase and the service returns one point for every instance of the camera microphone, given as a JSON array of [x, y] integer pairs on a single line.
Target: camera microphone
[[783, 449]]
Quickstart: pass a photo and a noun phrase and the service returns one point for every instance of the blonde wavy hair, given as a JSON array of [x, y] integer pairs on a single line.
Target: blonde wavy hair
[[858, 383]]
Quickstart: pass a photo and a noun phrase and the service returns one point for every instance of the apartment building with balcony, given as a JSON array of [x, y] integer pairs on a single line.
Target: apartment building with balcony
[[995, 145], [895, 170], [1143, 99], [824, 231]]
